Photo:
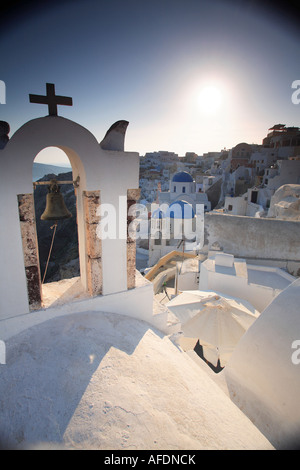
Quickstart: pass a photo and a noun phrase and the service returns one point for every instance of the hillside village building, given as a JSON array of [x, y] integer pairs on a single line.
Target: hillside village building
[[169, 223], [285, 202], [284, 172], [240, 155], [173, 227], [259, 285], [280, 142], [257, 199], [183, 187], [280, 136]]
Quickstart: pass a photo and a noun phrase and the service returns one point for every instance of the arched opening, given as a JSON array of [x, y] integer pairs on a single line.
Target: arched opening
[[57, 240]]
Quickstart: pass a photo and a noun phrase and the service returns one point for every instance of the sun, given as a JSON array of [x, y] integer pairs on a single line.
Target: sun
[[210, 99]]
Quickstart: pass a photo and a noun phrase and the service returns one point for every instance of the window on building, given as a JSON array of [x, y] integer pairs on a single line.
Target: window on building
[[183, 189], [230, 207], [174, 189]]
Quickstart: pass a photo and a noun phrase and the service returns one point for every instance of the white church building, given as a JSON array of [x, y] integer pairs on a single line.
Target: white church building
[[183, 187], [177, 219]]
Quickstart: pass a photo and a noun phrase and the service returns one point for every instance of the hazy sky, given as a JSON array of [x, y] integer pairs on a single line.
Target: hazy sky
[[148, 62]]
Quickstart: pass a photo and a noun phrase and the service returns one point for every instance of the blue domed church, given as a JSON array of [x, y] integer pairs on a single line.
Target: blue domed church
[[183, 187], [175, 220]]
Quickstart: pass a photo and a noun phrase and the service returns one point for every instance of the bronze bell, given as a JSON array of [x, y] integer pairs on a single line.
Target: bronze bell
[[55, 204]]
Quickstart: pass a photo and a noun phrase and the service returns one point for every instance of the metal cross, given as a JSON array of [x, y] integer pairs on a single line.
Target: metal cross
[[51, 99]]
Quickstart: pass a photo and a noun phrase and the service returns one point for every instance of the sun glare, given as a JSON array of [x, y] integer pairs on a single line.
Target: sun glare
[[210, 99]]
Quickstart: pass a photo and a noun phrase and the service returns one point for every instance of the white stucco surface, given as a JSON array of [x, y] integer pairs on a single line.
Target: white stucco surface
[[263, 373], [285, 203], [259, 285], [67, 297], [95, 380], [254, 238]]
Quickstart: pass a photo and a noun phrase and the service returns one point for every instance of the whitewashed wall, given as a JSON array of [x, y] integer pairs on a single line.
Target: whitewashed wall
[[255, 238], [263, 373]]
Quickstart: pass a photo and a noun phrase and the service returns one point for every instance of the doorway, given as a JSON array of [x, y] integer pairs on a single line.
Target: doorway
[[254, 195]]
